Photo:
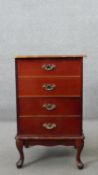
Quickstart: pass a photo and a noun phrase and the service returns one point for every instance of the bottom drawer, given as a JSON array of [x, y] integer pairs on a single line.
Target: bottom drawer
[[53, 126]]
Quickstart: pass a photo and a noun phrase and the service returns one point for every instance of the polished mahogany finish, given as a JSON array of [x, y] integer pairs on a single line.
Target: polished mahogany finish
[[36, 68], [49, 106], [58, 86], [49, 102], [63, 126]]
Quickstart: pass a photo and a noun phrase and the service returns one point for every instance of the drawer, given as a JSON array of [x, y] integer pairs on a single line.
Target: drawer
[[62, 126], [49, 86], [49, 106], [37, 67]]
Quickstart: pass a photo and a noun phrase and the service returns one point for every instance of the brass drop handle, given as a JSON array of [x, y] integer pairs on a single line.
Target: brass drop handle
[[49, 106], [49, 125], [48, 67], [49, 87]]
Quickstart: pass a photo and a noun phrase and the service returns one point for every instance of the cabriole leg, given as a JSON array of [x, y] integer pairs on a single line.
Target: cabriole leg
[[19, 145], [79, 146]]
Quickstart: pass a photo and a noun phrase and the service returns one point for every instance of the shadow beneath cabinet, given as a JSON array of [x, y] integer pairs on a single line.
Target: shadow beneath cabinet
[[51, 153]]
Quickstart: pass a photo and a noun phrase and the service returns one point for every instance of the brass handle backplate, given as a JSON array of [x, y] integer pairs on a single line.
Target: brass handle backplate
[[49, 87], [49, 125], [48, 67], [49, 106]]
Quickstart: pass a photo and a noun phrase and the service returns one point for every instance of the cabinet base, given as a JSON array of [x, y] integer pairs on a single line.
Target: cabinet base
[[27, 141]]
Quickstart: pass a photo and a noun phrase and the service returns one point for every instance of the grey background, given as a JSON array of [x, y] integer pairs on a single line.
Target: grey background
[[48, 27]]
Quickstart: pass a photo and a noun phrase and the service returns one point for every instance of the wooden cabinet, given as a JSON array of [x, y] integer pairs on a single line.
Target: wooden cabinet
[[49, 102]]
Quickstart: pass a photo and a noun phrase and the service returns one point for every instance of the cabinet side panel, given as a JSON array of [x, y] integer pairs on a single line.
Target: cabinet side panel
[[17, 99], [82, 93]]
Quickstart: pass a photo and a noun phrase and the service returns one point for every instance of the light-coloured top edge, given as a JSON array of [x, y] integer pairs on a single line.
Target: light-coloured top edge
[[51, 56]]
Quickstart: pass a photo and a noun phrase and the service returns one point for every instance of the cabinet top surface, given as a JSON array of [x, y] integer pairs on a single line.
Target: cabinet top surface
[[50, 56]]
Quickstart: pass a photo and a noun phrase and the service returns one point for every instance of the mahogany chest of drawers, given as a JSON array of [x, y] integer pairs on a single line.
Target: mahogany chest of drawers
[[49, 101]]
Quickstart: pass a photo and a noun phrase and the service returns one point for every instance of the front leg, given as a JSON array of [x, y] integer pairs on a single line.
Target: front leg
[[79, 145], [19, 145]]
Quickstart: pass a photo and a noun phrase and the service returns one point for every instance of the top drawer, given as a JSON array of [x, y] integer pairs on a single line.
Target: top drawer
[[45, 67]]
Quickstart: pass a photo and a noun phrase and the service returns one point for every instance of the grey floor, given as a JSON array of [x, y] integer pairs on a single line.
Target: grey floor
[[41, 160]]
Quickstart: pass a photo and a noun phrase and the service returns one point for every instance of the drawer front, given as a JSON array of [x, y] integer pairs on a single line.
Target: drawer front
[[50, 126], [49, 67], [49, 86], [49, 106]]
